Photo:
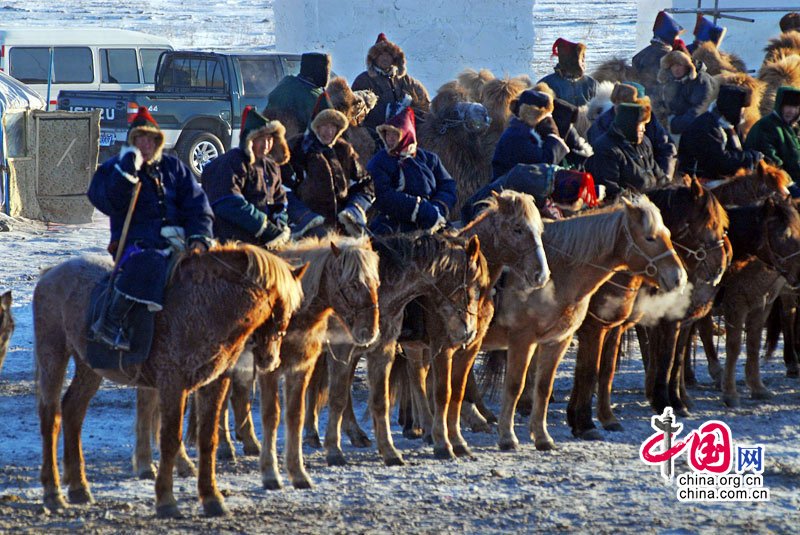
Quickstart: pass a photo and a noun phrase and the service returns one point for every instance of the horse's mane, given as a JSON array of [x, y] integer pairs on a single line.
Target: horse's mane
[[357, 260], [517, 206], [586, 236], [263, 269], [676, 200]]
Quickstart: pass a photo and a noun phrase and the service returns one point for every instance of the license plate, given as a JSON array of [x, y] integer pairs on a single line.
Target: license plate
[[107, 139]]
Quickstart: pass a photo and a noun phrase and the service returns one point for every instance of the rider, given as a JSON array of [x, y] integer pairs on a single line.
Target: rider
[[171, 209]]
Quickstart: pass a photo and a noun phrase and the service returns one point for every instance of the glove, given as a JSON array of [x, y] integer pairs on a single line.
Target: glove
[[308, 222], [353, 220], [130, 160], [273, 236], [199, 244], [546, 126], [429, 216]]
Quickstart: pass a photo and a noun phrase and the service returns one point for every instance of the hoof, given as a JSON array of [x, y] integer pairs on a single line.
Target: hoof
[[683, 412], [272, 483], [731, 401], [225, 453], [360, 440], [614, 426], [312, 440], [252, 449], [761, 394], [394, 461], [303, 483], [715, 371], [55, 502], [490, 417], [187, 469], [168, 511], [148, 472], [428, 438], [336, 459], [508, 445], [79, 496], [462, 451], [444, 453], [481, 427], [215, 507], [412, 434], [545, 445], [688, 403], [587, 434], [792, 373]]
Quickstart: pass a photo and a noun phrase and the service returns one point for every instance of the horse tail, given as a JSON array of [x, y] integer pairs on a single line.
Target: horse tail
[[490, 375], [774, 328]]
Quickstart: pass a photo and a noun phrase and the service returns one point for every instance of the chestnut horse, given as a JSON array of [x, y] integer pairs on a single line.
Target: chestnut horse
[[214, 301], [6, 325], [584, 252], [697, 224]]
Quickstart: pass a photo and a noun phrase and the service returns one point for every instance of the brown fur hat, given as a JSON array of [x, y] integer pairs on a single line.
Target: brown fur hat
[[143, 123], [790, 21], [474, 81], [254, 125], [715, 61], [785, 71], [675, 57], [532, 106], [785, 44], [329, 116], [569, 56], [384, 45]]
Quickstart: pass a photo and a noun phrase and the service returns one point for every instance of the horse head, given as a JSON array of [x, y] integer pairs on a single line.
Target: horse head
[[649, 251], [780, 238], [351, 282], [6, 325]]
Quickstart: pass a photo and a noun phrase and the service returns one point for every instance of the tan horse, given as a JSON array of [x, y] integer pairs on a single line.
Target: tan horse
[[6, 325], [584, 252], [213, 303]]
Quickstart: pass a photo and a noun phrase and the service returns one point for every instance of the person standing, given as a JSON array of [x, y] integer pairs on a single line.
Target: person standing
[[647, 61], [569, 81], [293, 100]]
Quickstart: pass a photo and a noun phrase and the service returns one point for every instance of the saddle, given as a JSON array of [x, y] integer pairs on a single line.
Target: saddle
[[139, 323]]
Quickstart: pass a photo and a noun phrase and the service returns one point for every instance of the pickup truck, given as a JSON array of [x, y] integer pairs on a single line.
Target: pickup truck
[[197, 101]]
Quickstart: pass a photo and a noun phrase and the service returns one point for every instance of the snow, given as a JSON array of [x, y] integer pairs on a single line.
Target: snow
[[598, 487]]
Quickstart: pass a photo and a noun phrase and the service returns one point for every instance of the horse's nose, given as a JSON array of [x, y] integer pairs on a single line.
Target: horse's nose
[[365, 336], [542, 276]]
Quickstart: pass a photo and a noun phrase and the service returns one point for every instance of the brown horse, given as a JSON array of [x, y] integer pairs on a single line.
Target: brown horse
[[6, 325], [584, 252], [213, 303], [697, 224], [747, 186], [342, 280]]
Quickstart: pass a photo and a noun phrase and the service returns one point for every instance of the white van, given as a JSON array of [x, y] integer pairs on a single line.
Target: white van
[[102, 59]]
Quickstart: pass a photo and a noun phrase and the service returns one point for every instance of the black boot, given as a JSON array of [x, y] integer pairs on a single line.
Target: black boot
[[110, 329]]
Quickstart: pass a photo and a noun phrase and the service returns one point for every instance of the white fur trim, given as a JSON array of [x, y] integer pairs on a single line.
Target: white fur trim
[[416, 211], [133, 179], [560, 141], [138, 158], [263, 226], [583, 149], [536, 136]]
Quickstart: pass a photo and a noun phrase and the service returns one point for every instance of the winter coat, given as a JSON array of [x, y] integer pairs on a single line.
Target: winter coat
[[714, 147], [647, 63], [390, 90], [405, 188], [686, 98], [244, 196], [327, 179], [577, 92], [179, 201], [522, 144], [664, 149], [619, 164], [296, 97], [778, 141]]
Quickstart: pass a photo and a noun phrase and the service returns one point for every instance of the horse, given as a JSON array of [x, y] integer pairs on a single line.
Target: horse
[[697, 224], [747, 186], [765, 262], [214, 301], [583, 251], [6, 325]]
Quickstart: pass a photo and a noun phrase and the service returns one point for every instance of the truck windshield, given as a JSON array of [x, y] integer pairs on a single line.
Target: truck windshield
[[259, 75]]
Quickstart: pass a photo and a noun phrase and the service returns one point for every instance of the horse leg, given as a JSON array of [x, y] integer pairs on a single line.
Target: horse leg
[[678, 393], [210, 401], [171, 402], [270, 418], [705, 330], [579, 409], [240, 391], [734, 321], [417, 375], [317, 389], [687, 370], [191, 423], [546, 365], [295, 396], [605, 380], [754, 325], [643, 335], [379, 363], [473, 394], [519, 357], [146, 408], [442, 367], [461, 366], [82, 389], [225, 448], [339, 379], [662, 360], [358, 437], [788, 311]]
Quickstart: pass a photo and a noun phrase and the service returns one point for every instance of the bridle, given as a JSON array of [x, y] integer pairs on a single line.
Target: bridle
[[651, 270], [777, 261], [700, 254]]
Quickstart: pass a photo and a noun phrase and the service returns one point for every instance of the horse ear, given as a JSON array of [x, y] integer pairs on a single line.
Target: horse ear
[[633, 211], [5, 301], [761, 168], [299, 272], [474, 248], [336, 250], [696, 188]]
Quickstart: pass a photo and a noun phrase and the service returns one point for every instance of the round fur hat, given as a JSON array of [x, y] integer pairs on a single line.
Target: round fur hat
[[329, 117], [790, 21], [143, 123], [254, 125], [676, 57], [383, 45], [532, 106]]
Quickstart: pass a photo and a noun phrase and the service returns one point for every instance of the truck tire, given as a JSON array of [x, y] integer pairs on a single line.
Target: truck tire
[[196, 148]]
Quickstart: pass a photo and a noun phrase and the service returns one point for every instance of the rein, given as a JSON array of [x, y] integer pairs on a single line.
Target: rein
[[700, 254]]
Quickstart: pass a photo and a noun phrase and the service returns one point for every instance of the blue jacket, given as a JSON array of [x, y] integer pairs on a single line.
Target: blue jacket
[[577, 92], [664, 149], [183, 204], [410, 193], [686, 99], [520, 144]]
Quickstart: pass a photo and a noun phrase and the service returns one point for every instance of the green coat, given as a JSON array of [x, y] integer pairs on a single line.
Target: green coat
[[295, 97], [779, 141]]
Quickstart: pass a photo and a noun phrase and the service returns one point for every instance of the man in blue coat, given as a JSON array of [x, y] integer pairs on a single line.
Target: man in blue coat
[[647, 61], [171, 210], [413, 190], [686, 88], [570, 81]]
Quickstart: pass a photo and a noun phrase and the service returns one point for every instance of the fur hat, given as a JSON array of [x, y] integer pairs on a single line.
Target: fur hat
[[383, 45], [790, 21], [787, 96], [332, 117], [666, 28], [532, 106], [628, 117], [143, 123], [705, 30], [403, 125], [569, 56], [680, 46], [676, 57], [316, 68], [254, 125], [630, 92], [731, 100]]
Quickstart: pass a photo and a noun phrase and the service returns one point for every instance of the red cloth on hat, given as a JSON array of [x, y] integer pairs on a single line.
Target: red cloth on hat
[[567, 46], [245, 111], [572, 185], [680, 46], [143, 118], [381, 37], [403, 121]]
